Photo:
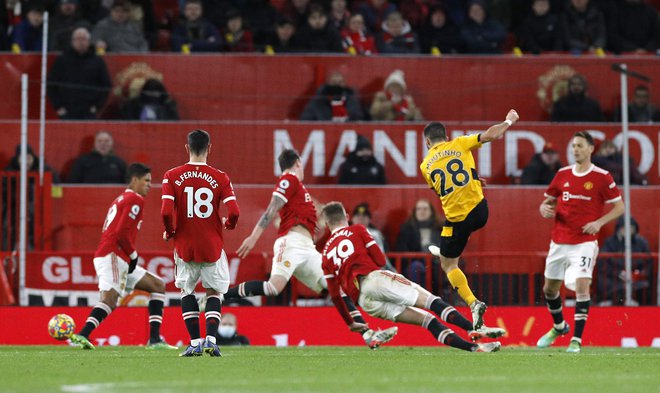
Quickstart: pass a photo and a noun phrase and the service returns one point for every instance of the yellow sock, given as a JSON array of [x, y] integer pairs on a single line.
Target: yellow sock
[[458, 281]]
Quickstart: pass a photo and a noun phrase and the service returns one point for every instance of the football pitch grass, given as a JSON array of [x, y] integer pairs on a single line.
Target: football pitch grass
[[329, 369]]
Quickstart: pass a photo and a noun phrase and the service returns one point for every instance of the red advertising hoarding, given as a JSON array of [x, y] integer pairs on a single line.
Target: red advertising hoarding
[[300, 326]]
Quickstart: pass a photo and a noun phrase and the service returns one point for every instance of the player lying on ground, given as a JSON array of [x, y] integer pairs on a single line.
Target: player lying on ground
[[352, 262], [294, 252], [115, 262]]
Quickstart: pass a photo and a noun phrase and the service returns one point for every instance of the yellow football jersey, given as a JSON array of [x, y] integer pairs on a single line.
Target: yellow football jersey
[[450, 171]]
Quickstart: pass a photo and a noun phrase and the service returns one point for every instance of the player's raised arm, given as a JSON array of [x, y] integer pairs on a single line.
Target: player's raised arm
[[497, 130], [275, 205]]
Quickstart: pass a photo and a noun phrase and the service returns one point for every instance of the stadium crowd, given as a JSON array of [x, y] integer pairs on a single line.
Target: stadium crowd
[[363, 27]]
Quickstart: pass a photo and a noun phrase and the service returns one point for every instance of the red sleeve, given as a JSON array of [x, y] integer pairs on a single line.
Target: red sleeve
[[553, 189], [286, 187], [335, 293], [229, 199], [127, 225], [374, 251], [609, 191], [167, 205]]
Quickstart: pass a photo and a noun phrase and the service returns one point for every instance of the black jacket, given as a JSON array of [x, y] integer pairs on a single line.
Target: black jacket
[[78, 83], [576, 108], [540, 33], [447, 38], [356, 170], [632, 27], [583, 31], [319, 107], [325, 40], [95, 168], [537, 172], [236, 339]]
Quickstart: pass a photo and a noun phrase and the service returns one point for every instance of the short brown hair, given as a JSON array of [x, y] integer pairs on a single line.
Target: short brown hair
[[587, 136], [333, 212]]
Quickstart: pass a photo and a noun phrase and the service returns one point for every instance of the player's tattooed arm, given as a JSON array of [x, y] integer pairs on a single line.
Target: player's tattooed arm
[[273, 208], [271, 212]]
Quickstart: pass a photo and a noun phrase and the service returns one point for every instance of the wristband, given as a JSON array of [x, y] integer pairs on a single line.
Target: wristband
[[134, 255], [509, 122]]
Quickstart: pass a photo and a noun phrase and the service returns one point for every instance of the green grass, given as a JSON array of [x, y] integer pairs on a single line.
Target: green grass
[[329, 369]]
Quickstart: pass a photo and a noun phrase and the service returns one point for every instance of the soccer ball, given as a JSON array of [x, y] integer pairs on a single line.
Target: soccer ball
[[61, 327]]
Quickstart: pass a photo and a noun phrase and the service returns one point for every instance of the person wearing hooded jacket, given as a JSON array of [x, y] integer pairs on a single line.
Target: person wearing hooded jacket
[[152, 104], [397, 36], [611, 271], [361, 167]]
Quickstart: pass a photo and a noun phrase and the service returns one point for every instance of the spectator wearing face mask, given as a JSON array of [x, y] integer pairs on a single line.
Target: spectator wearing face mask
[[227, 333], [361, 167], [152, 104]]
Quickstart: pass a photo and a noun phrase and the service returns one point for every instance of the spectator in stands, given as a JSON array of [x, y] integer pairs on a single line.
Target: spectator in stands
[[215, 11], [317, 35], [32, 163], [296, 11], [142, 13], [10, 198], [362, 216], [94, 10], [481, 33], [236, 37], [118, 33], [394, 103], [633, 27], [361, 167], [228, 333], [339, 14], [261, 17], [152, 104], [284, 39], [576, 106], [334, 101], [421, 230], [542, 168], [374, 13], [194, 33], [356, 39], [582, 27], [640, 110], [27, 36], [397, 36], [439, 34], [67, 18], [101, 165], [78, 82], [611, 159], [540, 30], [612, 271]]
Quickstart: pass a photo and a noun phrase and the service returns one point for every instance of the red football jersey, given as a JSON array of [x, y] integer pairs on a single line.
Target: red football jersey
[[347, 254], [299, 208], [121, 225], [197, 190], [581, 198]]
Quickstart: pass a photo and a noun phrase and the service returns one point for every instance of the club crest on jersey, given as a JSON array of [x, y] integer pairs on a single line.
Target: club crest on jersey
[[588, 185], [287, 264]]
